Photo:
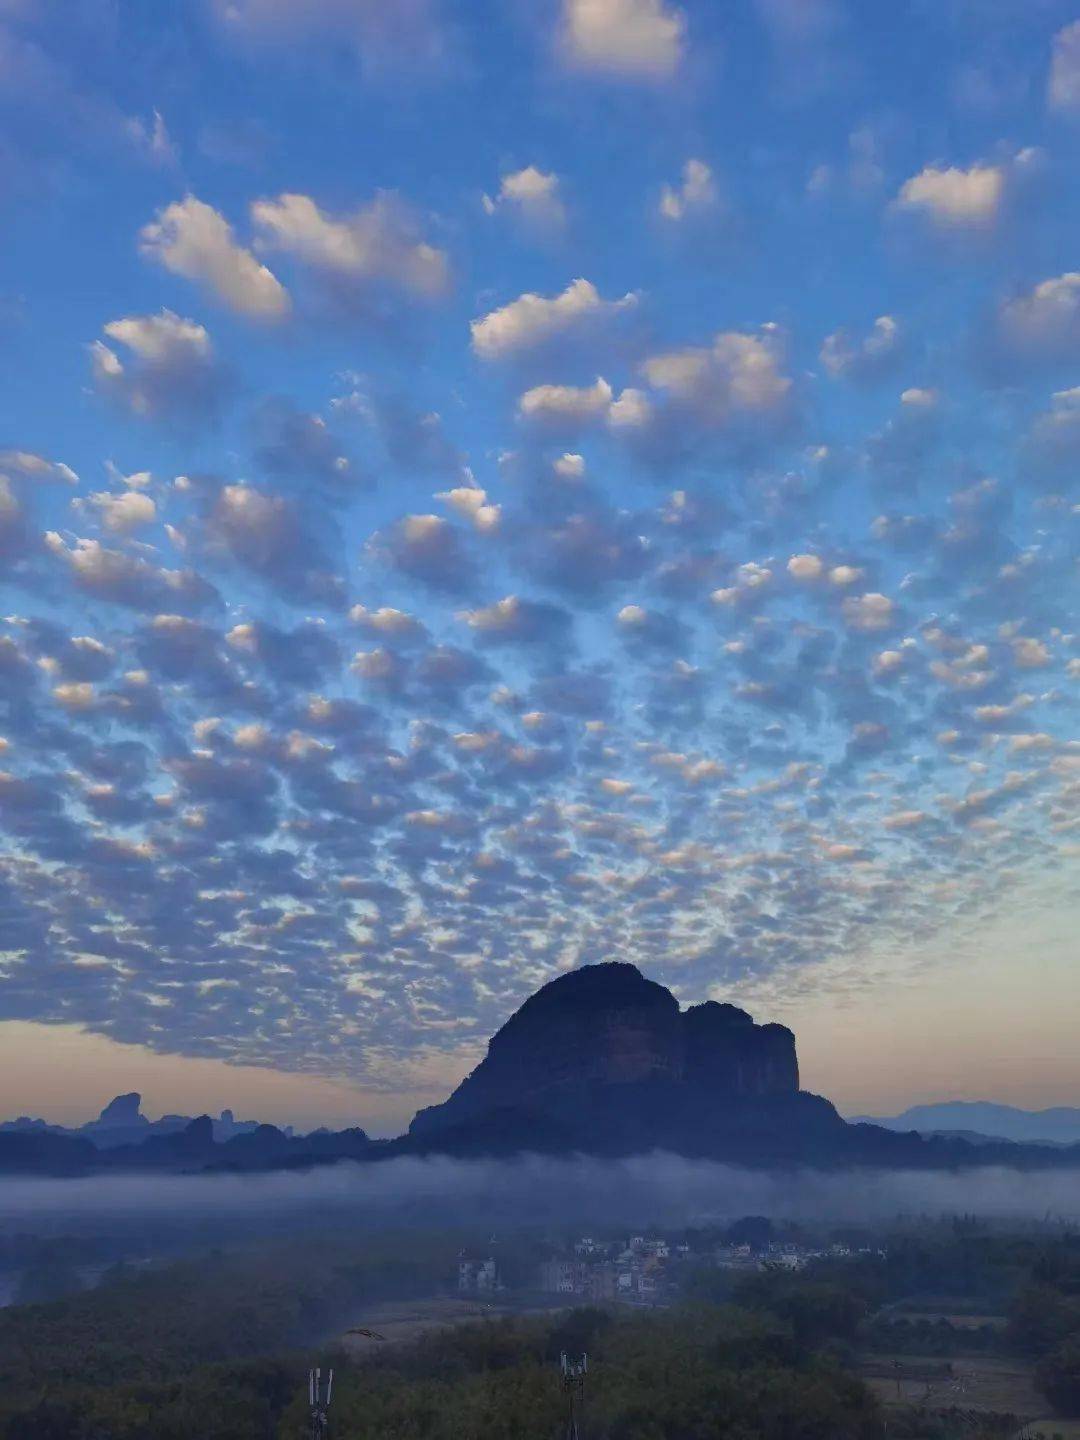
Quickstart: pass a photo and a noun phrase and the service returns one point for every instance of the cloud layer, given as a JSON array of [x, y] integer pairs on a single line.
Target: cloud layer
[[463, 516]]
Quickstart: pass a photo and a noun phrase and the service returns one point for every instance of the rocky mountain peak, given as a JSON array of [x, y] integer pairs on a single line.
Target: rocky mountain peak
[[595, 1031], [124, 1110]]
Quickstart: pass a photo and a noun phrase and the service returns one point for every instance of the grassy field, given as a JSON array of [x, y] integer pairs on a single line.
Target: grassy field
[[956, 1320], [1050, 1430], [400, 1322], [949, 1306], [969, 1383]]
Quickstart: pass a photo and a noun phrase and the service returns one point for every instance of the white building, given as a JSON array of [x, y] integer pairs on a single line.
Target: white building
[[479, 1275]]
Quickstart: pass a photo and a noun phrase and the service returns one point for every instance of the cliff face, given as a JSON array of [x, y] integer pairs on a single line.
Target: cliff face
[[585, 1041], [727, 1052], [604, 1023]]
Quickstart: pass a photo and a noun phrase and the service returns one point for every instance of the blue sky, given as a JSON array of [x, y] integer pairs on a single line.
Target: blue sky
[[490, 487]]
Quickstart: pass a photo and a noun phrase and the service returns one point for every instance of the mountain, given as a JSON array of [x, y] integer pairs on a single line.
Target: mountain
[[123, 1112], [191, 1148], [604, 1061], [40, 1152], [598, 1035], [122, 1125], [981, 1120], [600, 1061]]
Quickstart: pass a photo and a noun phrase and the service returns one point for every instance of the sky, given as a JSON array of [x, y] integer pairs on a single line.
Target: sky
[[491, 487]]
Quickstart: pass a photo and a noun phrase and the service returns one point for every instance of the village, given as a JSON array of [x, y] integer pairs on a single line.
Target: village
[[646, 1270]]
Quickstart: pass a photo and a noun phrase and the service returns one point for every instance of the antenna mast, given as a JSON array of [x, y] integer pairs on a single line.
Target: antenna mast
[[573, 1383], [319, 1403]]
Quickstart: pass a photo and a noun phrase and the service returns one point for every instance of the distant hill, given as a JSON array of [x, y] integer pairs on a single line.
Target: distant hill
[[122, 1124], [983, 1119], [600, 1061]]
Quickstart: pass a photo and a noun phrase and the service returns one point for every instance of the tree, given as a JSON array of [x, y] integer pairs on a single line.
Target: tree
[[753, 1230], [1057, 1375], [51, 1280]]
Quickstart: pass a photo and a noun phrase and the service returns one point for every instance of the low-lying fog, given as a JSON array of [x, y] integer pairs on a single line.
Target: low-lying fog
[[530, 1189]]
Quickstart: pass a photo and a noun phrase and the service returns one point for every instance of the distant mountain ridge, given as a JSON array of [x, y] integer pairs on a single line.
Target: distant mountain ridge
[[1059, 1125], [600, 1061], [122, 1123]]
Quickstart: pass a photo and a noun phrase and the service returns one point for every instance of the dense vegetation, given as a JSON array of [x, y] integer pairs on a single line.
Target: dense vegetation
[[218, 1347], [152, 1325], [1045, 1321], [700, 1372]]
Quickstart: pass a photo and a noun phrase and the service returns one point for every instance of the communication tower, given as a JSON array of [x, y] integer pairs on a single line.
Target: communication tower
[[320, 1403], [573, 1374]]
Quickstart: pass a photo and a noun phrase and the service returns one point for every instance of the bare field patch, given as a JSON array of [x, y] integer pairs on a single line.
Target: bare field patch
[[975, 1383]]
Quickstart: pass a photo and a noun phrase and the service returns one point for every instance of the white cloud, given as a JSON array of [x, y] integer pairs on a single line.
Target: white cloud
[[501, 617], [905, 819], [738, 376], [242, 508], [404, 33], [955, 198], [532, 319], [696, 192], [869, 612], [1063, 91], [1030, 653], [124, 512], [739, 372], [1033, 741], [170, 368], [105, 363], [192, 239], [1055, 434], [805, 567], [386, 621], [751, 581], [14, 533], [887, 662], [376, 242], [844, 575], [566, 402], [534, 194], [1047, 319], [920, 398], [636, 38], [75, 695], [379, 665], [36, 467], [632, 410], [154, 338], [843, 356], [154, 139], [127, 579], [633, 615], [513, 620], [471, 502]]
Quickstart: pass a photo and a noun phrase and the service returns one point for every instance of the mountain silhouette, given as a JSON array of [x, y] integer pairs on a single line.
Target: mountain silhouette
[[600, 1061]]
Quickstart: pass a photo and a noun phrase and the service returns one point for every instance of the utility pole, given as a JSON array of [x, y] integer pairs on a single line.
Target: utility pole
[[573, 1383], [319, 1403]]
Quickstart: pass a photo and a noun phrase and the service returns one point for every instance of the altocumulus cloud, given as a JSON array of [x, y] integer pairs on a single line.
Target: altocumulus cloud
[[407, 597]]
